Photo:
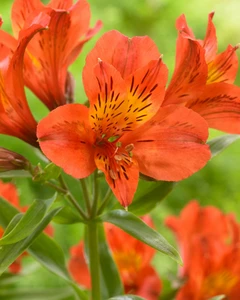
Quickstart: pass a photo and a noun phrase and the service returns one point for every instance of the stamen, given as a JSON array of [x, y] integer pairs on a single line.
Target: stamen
[[112, 174]]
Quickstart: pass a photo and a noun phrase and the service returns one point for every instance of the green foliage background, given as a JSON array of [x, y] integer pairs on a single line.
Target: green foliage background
[[217, 184]]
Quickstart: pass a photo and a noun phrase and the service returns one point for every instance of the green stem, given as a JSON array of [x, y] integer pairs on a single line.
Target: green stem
[[94, 260], [95, 195], [86, 195], [64, 189], [105, 201]]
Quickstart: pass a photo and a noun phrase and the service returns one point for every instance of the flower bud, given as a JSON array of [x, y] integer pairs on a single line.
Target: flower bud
[[10, 160]]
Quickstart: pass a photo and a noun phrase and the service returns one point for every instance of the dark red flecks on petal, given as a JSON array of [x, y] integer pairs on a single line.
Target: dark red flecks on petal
[[121, 172], [190, 73], [219, 104], [66, 138], [146, 89], [171, 146], [108, 100]]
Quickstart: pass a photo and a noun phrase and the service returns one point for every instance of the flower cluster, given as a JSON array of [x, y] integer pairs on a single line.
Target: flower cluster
[[209, 242], [133, 259]]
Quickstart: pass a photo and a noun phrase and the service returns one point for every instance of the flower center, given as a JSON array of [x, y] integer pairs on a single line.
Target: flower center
[[218, 283]]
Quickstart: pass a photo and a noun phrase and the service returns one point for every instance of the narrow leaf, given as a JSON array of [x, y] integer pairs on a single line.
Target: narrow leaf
[[220, 297], [149, 195], [138, 229], [127, 297], [15, 174], [7, 212], [9, 253], [218, 144], [28, 222]]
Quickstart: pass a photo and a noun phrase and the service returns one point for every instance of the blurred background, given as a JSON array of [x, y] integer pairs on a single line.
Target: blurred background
[[217, 184]]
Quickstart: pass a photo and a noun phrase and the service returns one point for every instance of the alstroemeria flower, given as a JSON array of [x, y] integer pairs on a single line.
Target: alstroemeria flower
[[51, 52], [15, 116], [203, 80], [132, 257], [209, 242], [125, 131]]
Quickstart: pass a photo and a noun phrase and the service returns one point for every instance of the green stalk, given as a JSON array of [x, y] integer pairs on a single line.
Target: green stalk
[[94, 260], [105, 201], [86, 194]]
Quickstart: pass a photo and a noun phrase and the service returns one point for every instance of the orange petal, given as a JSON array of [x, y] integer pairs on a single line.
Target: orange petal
[[219, 104], [121, 173], [125, 54], [107, 95], [171, 145], [210, 40], [224, 67], [146, 89], [66, 138], [190, 73], [21, 10]]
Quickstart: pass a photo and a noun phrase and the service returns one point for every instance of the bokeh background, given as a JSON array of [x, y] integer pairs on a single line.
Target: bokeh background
[[217, 184]]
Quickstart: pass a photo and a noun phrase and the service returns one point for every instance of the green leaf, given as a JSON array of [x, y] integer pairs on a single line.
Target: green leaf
[[36, 294], [138, 229], [28, 222], [15, 173], [67, 216], [127, 297], [7, 212], [149, 195], [220, 297], [44, 249], [218, 144], [9, 253]]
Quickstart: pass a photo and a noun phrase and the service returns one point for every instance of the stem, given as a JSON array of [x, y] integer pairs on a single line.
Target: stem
[[86, 194], [95, 195], [64, 189], [94, 260], [105, 201]]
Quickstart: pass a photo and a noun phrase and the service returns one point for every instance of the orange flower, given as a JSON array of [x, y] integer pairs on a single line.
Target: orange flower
[[51, 52], [210, 245], [9, 192], [125, 131], [133, 261], [15, 116], [203, 80]]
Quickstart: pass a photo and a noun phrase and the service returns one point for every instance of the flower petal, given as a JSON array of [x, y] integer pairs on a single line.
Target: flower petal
[[16, 118], [210, 40], [107, 96], [171, 145], [224, 67], [219, 104], [125, 54], [190, 72], [66, 138], [121, 175], [146, 89], [21, 10]]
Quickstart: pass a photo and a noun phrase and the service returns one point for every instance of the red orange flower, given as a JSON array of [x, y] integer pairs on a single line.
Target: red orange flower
[[10, 160], [125, 131], [50, 53], [210, 245], [133, 261], [15, 116], [203, 80]]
